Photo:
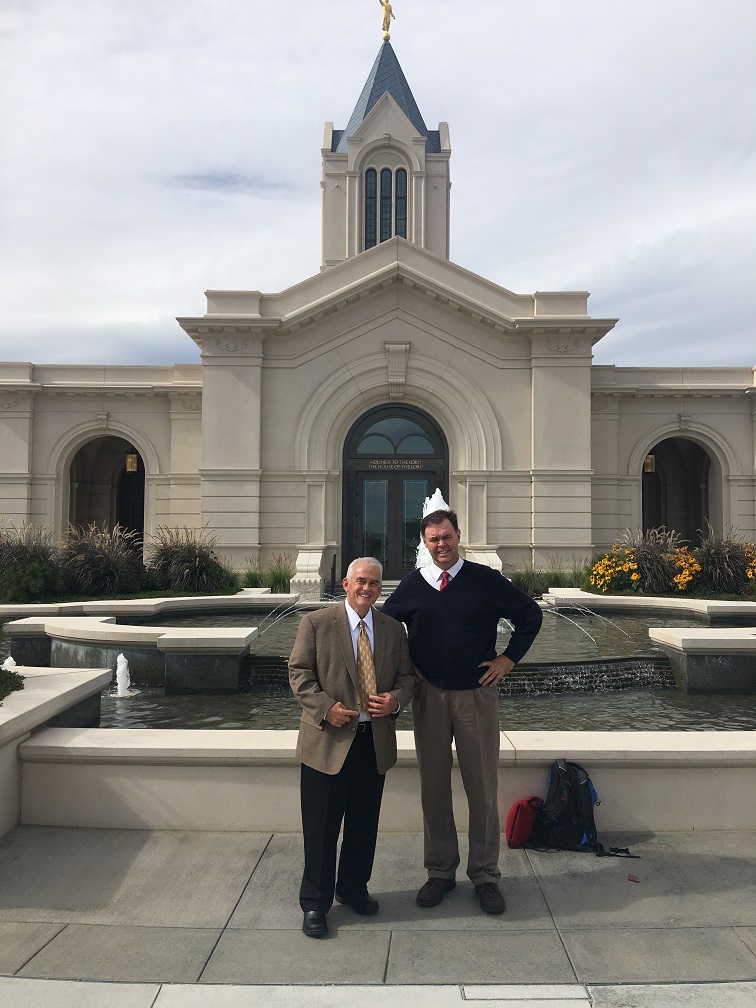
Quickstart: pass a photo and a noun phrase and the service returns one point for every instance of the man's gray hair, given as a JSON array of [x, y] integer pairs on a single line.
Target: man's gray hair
[[366, 560]]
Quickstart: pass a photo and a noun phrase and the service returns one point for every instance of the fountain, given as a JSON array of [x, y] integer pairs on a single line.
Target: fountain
[[433, 503], [613, 658], [123, 678]]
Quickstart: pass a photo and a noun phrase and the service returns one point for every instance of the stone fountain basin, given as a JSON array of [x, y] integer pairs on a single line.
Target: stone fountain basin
[[703, 659], [186, 659], [210, 659]]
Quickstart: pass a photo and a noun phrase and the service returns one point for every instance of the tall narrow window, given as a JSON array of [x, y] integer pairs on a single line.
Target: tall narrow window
[[386, 201], [400, 206], [386, 204], [371, 207]]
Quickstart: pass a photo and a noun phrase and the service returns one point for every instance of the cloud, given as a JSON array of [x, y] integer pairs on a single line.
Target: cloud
[[226, 181], [153, 151]]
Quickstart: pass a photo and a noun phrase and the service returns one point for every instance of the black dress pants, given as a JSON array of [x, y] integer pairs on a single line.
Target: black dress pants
[[353, 796]]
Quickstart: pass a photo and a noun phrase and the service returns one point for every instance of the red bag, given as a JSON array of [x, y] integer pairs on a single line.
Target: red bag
[[519, 827]]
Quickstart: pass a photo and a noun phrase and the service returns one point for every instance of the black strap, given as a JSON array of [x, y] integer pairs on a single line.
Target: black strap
[[600, 851]]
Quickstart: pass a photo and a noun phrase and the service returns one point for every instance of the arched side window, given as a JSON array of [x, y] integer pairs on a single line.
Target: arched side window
[[371, 207], [385, 202], [400, 204], [387, 194]]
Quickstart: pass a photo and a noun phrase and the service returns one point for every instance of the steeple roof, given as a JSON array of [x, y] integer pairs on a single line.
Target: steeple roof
[[386, 75]]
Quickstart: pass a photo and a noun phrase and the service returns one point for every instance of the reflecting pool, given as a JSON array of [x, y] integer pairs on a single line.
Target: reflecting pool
[[566, 635], [573, 636], [270, 704]]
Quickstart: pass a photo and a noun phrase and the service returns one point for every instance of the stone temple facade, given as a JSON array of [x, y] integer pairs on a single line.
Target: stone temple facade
[[322, 416]]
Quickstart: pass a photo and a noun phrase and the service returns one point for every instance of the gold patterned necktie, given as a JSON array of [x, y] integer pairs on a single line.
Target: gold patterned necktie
[[365, 668]]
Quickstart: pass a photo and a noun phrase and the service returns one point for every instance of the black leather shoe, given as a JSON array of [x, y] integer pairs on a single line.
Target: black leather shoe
[[315, 924], [364, 905]]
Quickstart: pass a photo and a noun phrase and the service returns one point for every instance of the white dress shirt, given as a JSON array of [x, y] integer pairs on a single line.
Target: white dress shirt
[[432, 574], [354, 625]]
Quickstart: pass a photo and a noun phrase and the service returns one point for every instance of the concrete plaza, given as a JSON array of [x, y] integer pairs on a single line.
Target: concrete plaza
[[153, 919]]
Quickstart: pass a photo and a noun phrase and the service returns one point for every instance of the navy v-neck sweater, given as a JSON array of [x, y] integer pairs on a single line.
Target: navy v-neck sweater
[[451, 632]]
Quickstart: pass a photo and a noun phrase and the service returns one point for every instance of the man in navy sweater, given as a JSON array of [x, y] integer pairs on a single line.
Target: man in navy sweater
[[451, 610]]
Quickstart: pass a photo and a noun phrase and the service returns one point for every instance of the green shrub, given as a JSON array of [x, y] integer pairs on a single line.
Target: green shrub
[[183, 559], [33, 581], [277, 574], [102, 561], [29, 570], [10, 681], [253, 576], [537, 580]]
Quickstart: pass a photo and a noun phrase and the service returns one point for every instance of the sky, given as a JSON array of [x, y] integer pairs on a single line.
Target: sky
[[153, 149]]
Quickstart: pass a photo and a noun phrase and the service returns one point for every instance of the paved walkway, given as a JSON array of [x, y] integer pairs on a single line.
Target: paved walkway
[[141, 919]]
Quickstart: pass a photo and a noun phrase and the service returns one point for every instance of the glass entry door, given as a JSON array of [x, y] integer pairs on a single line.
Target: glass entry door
[[388, 516], [394, 458]]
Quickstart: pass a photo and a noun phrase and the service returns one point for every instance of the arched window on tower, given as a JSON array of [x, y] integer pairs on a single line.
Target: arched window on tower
[[387, 179], [371, 215], [400, 204], [385, 205]]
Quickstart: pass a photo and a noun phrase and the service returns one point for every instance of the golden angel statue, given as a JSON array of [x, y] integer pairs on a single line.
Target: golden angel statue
[[388, 15]]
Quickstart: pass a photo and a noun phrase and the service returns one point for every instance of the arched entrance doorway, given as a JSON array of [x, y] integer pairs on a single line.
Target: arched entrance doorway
[[394, 457], [107, 485], [676, 474]]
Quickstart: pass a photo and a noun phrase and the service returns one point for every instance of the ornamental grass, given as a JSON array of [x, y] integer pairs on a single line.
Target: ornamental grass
[[100, 561], [656, 563], [182, 559]]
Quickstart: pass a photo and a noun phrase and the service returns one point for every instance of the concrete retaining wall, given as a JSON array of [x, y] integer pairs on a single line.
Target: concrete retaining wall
[[249, 780], [49, 696]]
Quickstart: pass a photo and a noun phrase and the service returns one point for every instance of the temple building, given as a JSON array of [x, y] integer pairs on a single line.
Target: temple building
[[322, 416]]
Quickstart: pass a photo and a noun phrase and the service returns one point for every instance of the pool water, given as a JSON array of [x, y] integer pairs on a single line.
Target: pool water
[[270, 704], [566, 635], [266, 701]]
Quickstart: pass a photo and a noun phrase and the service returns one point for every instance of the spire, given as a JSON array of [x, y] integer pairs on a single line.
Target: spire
[[386, 75]]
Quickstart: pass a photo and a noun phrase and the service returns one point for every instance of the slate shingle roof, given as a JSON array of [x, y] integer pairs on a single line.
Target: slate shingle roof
[[386, 75]]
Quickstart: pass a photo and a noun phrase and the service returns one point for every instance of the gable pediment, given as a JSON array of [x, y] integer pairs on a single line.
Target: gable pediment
[[409, 269], [386, 125]]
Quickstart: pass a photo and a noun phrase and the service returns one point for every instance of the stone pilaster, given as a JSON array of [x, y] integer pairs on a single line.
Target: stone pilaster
[[16, 418], [231, 440], [560, 443]]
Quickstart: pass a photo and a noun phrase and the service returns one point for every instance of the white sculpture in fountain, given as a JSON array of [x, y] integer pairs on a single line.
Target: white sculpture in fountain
[[123, 677], [434, 503]]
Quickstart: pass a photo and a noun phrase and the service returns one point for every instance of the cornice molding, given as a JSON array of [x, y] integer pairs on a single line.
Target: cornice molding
[[668, 392]]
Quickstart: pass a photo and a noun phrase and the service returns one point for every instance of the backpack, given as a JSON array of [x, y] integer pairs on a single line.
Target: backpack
[[566, 820]]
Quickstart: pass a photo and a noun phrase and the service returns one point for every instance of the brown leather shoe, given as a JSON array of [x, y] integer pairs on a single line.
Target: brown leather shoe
[[491, 900], [434, 891]]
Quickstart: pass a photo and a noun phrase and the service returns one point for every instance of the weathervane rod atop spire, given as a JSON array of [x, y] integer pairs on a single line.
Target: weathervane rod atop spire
[[388, 16]]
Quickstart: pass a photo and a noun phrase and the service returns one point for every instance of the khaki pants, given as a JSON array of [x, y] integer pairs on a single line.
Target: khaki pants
[[471, 718]]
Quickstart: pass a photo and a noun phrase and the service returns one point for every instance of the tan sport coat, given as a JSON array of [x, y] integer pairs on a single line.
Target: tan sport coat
[[323, 669]]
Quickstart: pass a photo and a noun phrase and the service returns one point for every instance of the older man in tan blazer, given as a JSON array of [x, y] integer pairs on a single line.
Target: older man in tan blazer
[[350, 670]]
